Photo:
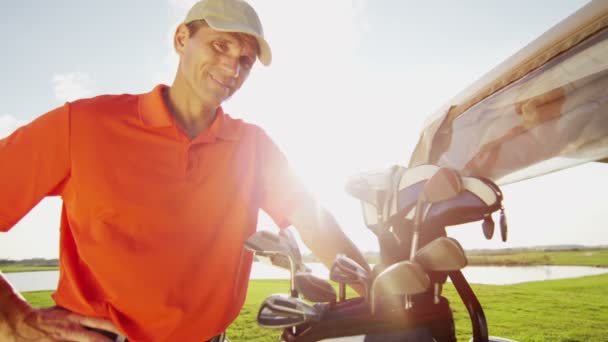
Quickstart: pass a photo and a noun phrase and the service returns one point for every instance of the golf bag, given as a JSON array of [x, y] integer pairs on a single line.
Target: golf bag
[[409, 216]]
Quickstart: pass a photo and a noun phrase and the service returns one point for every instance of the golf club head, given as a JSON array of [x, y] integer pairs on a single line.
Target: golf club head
[[402, 278], [442, 254], [370, 187], [374, 191], [266, 243], [377, 269], [270, 318], [288, 238], [314, 289], [390, 249], [276, 250], [446, 183], [281, 311], [346, 270]]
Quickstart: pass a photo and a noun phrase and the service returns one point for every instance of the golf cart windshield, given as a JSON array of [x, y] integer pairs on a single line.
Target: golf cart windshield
[[542, 110]]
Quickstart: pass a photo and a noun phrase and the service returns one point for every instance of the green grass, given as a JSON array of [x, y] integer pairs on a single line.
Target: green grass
[[21, 268], [557, 310], [564, 310], [587, 257]]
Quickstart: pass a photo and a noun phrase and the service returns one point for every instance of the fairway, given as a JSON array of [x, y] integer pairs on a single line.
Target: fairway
[[564, 310]]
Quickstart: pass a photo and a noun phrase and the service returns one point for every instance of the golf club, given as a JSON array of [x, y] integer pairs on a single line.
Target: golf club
[[314, 289], [441, 255], [344, 270], [268, 244], [281, 311], [444, 184], [404, 277]]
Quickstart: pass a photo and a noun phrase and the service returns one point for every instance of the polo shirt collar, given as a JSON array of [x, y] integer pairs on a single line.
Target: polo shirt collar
[[153, 112]]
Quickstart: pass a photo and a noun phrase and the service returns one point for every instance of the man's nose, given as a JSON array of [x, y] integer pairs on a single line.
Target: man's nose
[[232, 66]]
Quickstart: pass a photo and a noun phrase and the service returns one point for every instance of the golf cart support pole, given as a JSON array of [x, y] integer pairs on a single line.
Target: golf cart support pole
[[478, 319]]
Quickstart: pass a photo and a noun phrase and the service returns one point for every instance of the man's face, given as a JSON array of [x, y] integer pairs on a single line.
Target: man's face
[[215, 64]]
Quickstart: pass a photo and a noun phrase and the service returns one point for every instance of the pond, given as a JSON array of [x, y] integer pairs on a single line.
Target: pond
[[495, 275]]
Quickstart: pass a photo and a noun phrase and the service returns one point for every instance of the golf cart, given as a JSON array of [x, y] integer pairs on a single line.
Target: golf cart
[[542, 110]]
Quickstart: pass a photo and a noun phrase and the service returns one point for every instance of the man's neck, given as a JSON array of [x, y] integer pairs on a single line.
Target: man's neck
[[189, 112]]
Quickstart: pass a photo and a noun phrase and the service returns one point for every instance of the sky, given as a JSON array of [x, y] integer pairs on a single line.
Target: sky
[[349, 89]]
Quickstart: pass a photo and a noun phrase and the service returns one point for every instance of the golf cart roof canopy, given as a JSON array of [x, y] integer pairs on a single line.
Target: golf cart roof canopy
[[543, 109]]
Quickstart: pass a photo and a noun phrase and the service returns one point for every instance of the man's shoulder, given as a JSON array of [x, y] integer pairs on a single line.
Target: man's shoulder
[[248, 131], [242, 126], [106, 101]]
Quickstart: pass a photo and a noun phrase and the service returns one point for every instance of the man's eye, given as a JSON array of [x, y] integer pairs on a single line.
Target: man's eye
[[220, 46]]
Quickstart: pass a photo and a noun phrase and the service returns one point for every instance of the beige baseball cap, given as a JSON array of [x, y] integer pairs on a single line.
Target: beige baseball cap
[[232, 16]]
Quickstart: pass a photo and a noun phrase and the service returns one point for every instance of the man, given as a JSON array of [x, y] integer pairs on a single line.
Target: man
[[160, 190]]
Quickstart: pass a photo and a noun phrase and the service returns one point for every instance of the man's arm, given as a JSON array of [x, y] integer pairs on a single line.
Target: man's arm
[[12, 307], [281, 189], [35, 163], [20, 322], [323, 236]]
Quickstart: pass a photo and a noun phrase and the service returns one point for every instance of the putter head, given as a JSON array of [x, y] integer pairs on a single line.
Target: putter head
[[443, 254], [281, 311], [314, 289], [444, 184]]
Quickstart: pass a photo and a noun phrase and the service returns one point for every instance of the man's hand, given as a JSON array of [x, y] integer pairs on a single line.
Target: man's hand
[[55, 324], [324, 237]]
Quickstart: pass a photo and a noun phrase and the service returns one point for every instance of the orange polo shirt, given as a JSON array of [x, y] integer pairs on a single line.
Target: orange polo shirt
[[153, 223]]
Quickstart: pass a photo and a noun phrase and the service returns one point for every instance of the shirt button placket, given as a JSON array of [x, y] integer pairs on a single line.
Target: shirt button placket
[[191, 160]]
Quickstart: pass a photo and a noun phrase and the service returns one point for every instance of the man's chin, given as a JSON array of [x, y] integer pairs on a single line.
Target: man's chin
[[214, 100], [228, 97], [224, 98]]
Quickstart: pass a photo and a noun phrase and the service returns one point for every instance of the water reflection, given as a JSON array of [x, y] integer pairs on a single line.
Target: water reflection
[[492, 275], [503, 275]]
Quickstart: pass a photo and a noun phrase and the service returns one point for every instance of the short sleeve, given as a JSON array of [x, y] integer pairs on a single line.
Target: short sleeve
[[35, 162], [282, 191]]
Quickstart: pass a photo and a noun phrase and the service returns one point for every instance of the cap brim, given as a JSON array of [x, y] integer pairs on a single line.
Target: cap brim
[[265, 55]]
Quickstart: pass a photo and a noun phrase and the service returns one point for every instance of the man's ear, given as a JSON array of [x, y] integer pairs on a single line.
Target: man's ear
[[181, 36]]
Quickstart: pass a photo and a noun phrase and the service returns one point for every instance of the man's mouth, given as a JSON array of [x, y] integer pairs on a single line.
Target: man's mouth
[[226, 84]]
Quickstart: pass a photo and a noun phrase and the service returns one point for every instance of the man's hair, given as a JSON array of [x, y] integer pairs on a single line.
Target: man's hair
[[194, 26]]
